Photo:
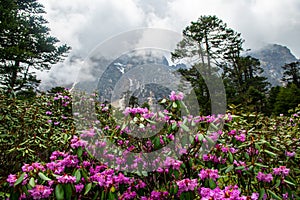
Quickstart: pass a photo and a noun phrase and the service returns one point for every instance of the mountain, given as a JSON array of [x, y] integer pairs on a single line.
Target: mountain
[[142, 75], [272, 57], [136, 72]]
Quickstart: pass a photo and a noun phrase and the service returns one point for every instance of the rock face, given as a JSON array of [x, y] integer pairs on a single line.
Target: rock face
[[145, 77], [272, 57]]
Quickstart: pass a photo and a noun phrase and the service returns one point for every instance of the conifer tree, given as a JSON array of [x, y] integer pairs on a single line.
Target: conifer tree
[[25, 45]]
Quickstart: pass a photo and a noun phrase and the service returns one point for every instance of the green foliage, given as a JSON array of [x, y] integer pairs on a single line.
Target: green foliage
[[292, 73], [287, 98], [25, 44], [30, 129], [249, 144], [209, 41], [210, 44]]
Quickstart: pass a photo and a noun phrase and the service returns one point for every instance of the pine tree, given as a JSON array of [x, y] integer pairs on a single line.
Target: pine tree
[[212, 48], [25, 45], [287, 98], [291, 73]]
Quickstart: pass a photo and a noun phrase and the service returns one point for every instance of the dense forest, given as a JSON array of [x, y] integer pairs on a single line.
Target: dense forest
[[48, 151]]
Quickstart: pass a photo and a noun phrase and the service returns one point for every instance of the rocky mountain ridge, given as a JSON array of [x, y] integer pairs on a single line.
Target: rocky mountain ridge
[[272, 57]]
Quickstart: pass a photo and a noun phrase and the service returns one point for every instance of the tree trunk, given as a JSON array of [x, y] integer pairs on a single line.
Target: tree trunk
[[14, 76]]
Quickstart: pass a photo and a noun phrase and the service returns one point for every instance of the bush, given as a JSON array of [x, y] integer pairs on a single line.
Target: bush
[[251, 157]]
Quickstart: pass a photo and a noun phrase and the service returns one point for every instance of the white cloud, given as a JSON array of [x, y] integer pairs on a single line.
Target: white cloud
[[85, 24]]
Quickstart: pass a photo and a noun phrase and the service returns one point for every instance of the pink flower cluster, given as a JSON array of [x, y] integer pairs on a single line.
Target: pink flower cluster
[[173, 96], [60, 160], [66, 179], [241, 137], [65, 99], [79, 187], [172, 163], [156, 195], [144, 112], [282, 170], [128, 194], [33, 166], [77, 142], [290, 154], [186, 185], [40, 192], [11, 179], [209, 173], [107, 178], [239, 163], [264, 177], [213, 158], [229, 193]]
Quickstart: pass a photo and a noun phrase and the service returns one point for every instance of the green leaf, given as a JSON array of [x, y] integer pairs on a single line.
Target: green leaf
[[15, 195], [176, 174], [161, 115], [212, 184], [144, 173], [79, 152], [240, 168], [193, 123], [289, 182], [174, 105], [261, 193], [278, 181], [174, 125], [102, 195], [230, 157], [184, 127], [96, 195], [229, 169], [77, 175], [20, 179], [200, 137], [274, 195], [24, 189], [87, 188], [59, 192], [175, 189], [274, 148], [270, 153], [31, 182], [150, 121], [261, 165], [68, 191], [257, 147], [156, 142], [111, 196], [84, 174], [43, 176], [246, 155]]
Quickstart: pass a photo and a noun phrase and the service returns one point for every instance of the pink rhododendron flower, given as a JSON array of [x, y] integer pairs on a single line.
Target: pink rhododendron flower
[[40, 191]]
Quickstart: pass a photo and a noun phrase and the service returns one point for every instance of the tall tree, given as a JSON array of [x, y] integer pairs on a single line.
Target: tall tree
[[208, 41], [25, 44], [205, 46], [194, 76], [287, 98], [209, 45], [248, 86], [291, 73]]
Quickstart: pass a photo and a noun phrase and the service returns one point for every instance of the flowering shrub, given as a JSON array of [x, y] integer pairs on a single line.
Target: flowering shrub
[[252, 157], [31, 129]]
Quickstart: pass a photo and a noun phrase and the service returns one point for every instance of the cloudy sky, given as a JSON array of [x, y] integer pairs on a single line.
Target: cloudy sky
[[85, 24]]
